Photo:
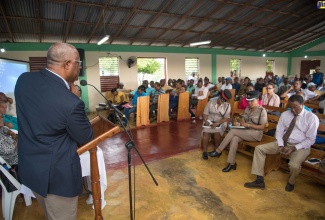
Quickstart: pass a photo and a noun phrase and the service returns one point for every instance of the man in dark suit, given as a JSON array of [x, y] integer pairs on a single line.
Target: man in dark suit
[[52, 124]]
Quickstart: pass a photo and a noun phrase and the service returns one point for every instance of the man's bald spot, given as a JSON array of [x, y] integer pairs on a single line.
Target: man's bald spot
[[60, 52]]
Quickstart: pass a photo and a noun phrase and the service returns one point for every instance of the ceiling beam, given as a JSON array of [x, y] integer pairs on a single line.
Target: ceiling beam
[[68, 26], [177, 22], [99, 22], [6, 22], [126, 21], [152, 20]]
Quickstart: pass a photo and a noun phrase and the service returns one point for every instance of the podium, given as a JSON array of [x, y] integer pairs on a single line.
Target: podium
[[102, 129]]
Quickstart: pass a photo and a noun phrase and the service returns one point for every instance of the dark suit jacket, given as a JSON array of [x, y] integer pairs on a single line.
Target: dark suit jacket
[[52, 123]]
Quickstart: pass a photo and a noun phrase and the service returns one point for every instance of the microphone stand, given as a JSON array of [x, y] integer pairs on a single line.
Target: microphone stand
[[129, 146]]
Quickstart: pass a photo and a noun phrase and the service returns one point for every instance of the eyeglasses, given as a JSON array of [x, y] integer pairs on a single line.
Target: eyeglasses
[[269, 88], [78, 61]]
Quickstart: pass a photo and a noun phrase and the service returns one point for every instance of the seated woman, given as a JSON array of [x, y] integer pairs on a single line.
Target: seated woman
[[8, 144], [174, 95], [243, 102], [118, 98], [254, 120], [216, 114], [9, 121], [271, 99]]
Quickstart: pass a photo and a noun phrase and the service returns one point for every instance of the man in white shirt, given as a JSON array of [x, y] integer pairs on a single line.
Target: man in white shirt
[[207, 84], [310, 92], [200, 93], [295, 133], [292, 90], [227, 85]]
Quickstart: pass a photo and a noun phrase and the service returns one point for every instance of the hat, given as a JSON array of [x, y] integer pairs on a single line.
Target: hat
[[226, 94], [122, 84], [228, 78], [311, 84], [251, 95]]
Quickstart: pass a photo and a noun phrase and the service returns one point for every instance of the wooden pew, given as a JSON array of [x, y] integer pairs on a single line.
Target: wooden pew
[[277, 109], [232, 100], [200, 106], [163, 108], [143, 111], [307, 169], [284, 103], [183, 106]]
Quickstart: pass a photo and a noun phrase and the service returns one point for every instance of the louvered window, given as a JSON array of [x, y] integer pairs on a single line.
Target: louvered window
[[191, 66], [109, 69]]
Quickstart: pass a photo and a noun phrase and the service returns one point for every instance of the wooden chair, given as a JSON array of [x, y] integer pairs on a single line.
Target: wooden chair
[[264, 90], [143, 111], [277, 109], [236, 105], [163, 108], [200, 106], [183, 106], [284, 103], [312, 105], [232, 100]]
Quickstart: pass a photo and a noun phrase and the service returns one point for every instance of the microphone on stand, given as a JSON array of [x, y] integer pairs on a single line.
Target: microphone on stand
[[85, 83]]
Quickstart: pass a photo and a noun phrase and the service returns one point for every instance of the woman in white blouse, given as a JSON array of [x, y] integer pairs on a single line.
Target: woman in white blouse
[[270, 98]]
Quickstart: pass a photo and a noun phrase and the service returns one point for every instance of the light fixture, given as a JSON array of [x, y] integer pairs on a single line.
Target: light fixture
[[264, 54], [2, 50], [305, 56], [103, 40], [200, 43]]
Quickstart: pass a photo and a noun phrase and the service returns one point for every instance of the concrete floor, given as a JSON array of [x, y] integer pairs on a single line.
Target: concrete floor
[[191, 188]]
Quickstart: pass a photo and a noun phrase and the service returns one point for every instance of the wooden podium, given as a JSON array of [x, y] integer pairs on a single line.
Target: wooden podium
[[102, 129]]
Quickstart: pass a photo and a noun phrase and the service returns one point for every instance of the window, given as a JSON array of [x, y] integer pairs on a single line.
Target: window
[[235, 69], [270, 64], [109, 68], [191, 66], [151, 69]]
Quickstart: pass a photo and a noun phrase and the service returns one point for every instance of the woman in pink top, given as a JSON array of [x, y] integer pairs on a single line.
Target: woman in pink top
[[243, 102], [270, 98]]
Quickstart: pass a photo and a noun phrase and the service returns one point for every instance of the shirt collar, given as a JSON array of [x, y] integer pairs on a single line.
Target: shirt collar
[[65, 82]]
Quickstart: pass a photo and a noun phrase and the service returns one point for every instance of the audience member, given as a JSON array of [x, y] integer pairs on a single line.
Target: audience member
[[207, 84], [120, 87], [227, 85], [243, 101], [215, 117], [310, 92], [259, 85], [254, 119], [296, 132], [292, 90], [174, 95], [9, 121], [243, 86], [191, 87], [284, 86], [270, 98], [165, 87], [11, 107], [154, 103], [318, 77], [8, 144], [200, 93], [236, 85]]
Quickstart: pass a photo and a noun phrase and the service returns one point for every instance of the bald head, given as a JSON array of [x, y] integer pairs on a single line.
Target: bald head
[[60, 52], [64, 60]]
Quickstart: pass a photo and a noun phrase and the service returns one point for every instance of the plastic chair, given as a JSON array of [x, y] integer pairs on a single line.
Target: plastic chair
[[8, 198]]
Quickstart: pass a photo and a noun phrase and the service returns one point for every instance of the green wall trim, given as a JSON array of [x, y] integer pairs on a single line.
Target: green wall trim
[[309, 53], [301, 51], [214, 68], [127, 48]]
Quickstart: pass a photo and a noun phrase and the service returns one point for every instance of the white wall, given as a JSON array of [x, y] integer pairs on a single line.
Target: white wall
[[296, 63], [253, 67]]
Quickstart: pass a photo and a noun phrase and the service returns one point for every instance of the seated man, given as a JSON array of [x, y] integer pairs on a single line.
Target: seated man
[[132, 107], [295, 133], [8, 144], [8, 120], [154, 103], [310, 93]]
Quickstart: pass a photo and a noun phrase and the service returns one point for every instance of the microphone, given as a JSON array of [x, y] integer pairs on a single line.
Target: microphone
[[85, 83]]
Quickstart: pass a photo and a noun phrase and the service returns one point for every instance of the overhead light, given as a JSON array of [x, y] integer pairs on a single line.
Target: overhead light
[[2, 50], [103, 40], [200, 43], [305, 56], [264, 55]]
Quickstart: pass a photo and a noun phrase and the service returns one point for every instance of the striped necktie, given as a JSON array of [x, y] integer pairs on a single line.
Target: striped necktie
[[289, 131]]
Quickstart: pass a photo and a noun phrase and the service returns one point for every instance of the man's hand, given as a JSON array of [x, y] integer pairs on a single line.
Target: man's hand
[[287, 150], [9, 125]]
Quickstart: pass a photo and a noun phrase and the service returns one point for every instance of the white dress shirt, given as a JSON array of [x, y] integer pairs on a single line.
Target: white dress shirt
[[303, 134], [204, 90], [225, 86]]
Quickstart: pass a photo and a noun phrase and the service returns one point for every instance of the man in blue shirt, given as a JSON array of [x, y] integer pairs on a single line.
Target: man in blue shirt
[[236, 85], [132, 107], [318, 77]]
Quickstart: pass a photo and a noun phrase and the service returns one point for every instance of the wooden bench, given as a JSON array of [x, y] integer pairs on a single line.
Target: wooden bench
[[163, 108], [200, 106], [183, 106], [143, 111], [307, 169]]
